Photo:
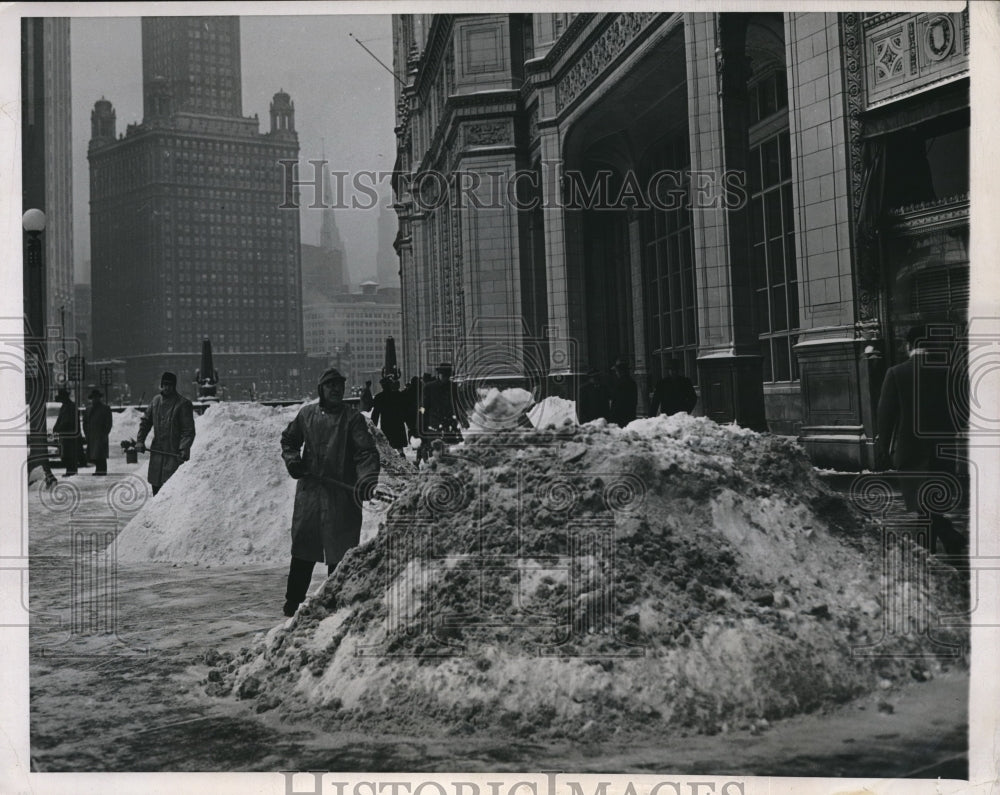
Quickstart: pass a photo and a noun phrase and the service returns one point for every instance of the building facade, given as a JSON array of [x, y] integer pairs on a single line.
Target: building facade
[[47, 174], [192, 235], [350, 332], [770, 198]]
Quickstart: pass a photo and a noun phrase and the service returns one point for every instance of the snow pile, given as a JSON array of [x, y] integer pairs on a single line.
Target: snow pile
[[499, 410], [231, 504], [553, 412], [124, 426], [666, 577]]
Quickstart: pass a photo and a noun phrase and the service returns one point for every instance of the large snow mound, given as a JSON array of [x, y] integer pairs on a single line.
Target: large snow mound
[[231, 504], [665, 577]]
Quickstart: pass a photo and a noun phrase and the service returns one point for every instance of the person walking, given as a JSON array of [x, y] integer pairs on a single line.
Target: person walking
[[171, 418], [441, 417], [67, 430], [915, 419], [594, 398], [673, 393], [389, 409], [624, 395], [97, 422], [367, 400], [328, 449]]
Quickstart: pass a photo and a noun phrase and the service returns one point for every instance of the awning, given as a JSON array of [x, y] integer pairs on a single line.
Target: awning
[[916, 110]]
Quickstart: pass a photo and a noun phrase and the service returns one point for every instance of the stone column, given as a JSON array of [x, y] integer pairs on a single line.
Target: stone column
[[729, 361], [641, 373]]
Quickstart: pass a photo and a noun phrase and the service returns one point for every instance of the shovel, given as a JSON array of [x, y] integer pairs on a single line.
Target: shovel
[[383, 496]]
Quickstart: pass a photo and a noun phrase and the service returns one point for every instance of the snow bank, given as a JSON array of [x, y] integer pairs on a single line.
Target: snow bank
[[553, 412], [661, 578], [231, 504]]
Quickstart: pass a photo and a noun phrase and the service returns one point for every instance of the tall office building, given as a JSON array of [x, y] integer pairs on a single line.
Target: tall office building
[[47, 156], [189, 238]]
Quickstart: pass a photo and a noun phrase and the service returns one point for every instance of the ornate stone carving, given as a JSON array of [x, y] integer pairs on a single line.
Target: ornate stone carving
[[866, 259], [533, 124], [609, 45], [489, 133], [888, 57], [457, 284]]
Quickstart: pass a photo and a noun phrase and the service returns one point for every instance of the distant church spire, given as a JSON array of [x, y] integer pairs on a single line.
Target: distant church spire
[[329, 236]]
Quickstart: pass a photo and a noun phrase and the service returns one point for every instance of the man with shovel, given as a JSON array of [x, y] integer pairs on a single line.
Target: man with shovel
[[327, 448], [171, 418]]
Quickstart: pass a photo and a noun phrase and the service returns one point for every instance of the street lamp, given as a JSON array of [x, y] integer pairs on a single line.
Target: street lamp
[[35, 374]]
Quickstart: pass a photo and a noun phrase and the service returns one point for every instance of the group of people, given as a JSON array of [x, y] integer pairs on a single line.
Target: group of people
[[428, 410], [617, 400], [83, 437]]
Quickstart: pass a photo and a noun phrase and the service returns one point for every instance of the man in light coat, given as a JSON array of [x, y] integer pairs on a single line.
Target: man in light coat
[[327, 448], [171, 418]]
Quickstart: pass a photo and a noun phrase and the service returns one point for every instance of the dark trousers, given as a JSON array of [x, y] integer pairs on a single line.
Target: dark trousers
[[69, 452], [299, 576], [100, 466]]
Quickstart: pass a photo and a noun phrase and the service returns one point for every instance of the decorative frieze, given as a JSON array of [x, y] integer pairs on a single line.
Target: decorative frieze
[[907, 53], [604, 51], [496, 132]]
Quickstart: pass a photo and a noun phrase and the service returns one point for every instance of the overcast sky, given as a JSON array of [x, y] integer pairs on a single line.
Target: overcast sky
[[341, 95]]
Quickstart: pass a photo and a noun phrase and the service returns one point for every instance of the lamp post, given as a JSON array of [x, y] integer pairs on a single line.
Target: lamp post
[[35, 375]]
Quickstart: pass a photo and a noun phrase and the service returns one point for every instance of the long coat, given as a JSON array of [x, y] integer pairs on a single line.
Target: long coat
[[912, 424], [673, 394], [67, 429], [172, 423], [331, 445], [390, 407], [592, 403], [624, 399], [97, 423]]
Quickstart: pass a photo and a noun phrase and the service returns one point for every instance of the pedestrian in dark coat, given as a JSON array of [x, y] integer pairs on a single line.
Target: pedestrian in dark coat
[[171, 418], [442, 417], [67, 430], [389, 409], [327, 448], [673, 393], [367, 399], [411, 401], [97, 423], [593, 400], [624, 395], [916, 419]]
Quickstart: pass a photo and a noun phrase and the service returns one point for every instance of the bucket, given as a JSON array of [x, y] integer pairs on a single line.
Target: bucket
[[131, 456]]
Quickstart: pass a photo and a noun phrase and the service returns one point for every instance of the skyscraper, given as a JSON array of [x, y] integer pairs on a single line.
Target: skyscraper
[[47, 155], [189, 239]]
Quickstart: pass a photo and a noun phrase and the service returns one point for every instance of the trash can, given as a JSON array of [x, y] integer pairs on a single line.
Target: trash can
[[131, 455]]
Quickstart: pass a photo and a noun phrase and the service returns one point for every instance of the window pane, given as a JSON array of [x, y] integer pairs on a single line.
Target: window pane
[[772, 213], [675, 291], [779, 309], [781, 88], [787, 207], [795, 359], [765, 353], [665, 338], [759, 266], [784, 156], [763, 324], [757, 223], [690, 326], [793, 304], [776, 262], [754, 109], [755, 186], [791, 266], [782, 367], [769, 154]]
